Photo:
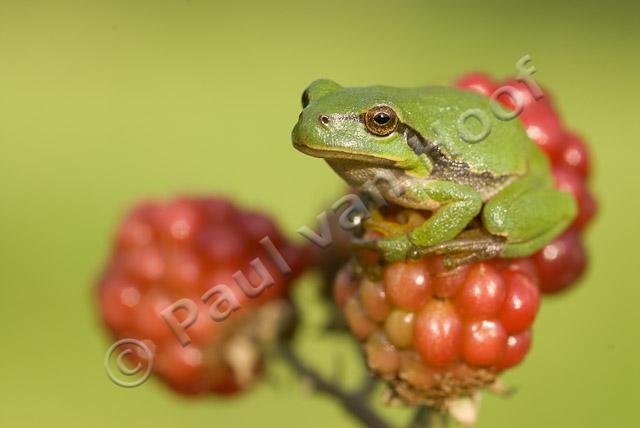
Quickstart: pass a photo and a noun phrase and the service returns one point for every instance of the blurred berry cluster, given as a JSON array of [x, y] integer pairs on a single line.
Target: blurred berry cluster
[[179, 249]]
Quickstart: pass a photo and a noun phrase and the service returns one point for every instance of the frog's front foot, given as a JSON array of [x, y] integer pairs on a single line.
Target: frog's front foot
[[393, 248]]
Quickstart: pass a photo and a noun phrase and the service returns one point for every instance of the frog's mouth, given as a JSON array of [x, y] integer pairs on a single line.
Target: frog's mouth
[[338, 154]]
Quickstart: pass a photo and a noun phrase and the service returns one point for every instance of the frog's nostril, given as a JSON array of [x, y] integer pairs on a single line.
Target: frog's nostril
[[324, 119]]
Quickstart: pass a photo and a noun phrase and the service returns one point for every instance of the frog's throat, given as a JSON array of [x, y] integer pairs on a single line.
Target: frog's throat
[[448, 169]]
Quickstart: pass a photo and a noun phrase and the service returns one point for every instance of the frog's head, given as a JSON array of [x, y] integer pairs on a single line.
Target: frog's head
[[355, 126]]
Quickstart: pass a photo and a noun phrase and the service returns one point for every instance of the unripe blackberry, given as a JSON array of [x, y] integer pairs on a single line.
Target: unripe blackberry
[[167, 252], [477, 81], [568, 180], [560, 263], [435, 347], [575, 155]]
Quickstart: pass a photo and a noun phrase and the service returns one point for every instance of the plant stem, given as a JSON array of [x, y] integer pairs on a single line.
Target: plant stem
[[426, 417], [355, 403]]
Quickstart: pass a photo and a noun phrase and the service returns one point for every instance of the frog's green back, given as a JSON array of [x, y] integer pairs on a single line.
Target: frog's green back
[[497, 146]]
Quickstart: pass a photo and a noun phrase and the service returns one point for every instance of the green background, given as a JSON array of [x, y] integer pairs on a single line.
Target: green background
[[102, 103]]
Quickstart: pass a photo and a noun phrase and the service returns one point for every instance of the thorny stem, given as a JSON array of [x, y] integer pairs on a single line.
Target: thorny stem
[[354, 402]]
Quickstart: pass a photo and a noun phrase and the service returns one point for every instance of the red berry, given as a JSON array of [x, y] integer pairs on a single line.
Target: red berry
[[482, 294], [483, 343], [224, 276], [374, 300], [382, 356], [521, 304], [184, 269], [343, 286], [517, 347], [525, 265], [118, 298], [561, 262], [218, 211], [147, 320], [544, 128], [136, 230], [414, 371], [479, 82], [182, 368], [446, 282], [223, 243], [576, 155], [369, 257], [437, 333], [145, 264], [519, 90], [203, 329], [359, 323], [177, 220], [588, 209], [407, 284], [568, 180], [399, 328], [259, 226]]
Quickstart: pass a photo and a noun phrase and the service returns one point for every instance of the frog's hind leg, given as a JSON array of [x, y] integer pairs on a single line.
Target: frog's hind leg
[[470, 246], [529, 213]]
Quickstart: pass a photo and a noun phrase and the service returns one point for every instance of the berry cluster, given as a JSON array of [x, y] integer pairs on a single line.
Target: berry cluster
[[167, 251], [436, 334]]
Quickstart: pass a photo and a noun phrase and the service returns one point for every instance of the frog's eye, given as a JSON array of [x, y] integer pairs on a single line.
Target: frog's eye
[[381, 120], [305, 98]]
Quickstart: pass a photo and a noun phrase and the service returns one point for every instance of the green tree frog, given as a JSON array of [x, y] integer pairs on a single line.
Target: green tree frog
[[443, 150]]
